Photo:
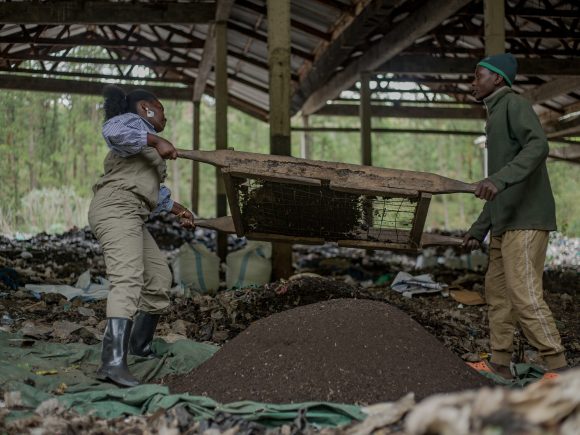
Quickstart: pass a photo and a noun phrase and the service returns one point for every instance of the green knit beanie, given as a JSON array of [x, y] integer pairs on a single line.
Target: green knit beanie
[[504, 64]]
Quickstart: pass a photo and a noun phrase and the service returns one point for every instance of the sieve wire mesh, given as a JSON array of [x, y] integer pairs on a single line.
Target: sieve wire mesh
[[319, 212]]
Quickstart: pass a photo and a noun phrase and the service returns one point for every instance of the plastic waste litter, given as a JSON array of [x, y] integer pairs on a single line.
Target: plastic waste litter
[[410, 285], [6, 319], [83, 288]]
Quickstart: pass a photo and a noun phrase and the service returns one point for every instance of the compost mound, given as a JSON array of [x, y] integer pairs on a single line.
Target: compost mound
[[343, 350]]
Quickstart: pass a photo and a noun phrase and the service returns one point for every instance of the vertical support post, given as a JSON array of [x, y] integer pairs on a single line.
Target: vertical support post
[[494, 19], [365, 120], [494, 26], [279, 75], [305, 143], [221, 125], [194, 164]]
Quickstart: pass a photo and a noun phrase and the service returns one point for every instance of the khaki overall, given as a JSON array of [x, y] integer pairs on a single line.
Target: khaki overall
[[124, 198]]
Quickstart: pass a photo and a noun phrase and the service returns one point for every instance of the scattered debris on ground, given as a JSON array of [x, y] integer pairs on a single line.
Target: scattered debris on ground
[[324, 273], [551, 407]]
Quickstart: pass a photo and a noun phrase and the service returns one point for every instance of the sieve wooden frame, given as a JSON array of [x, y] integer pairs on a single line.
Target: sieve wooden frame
[[413, 236], [339, 177]]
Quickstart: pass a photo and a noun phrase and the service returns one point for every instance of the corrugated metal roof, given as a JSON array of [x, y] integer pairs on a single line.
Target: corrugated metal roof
[[322, 40]]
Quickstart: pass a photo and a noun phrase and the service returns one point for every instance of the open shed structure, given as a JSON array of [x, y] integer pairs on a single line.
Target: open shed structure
[[273, 59], [333, 44]]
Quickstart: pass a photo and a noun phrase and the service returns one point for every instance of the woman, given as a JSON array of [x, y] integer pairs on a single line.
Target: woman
[[128, 192]]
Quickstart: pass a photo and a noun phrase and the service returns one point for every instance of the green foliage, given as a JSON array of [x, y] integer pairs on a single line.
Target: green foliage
[[52, 153], [54, 210]]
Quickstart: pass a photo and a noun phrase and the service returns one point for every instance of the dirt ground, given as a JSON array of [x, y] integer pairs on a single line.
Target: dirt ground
[[340, 274]]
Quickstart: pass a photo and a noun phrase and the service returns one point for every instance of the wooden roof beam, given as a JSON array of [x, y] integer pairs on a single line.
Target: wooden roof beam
[[571, 152], [563, 128], [429, 49], [430, 79], [184, 80], [402, 35], [552, 89], [426, 64], [207, 59], [83, 87], [24, 83], [413, 102], [189, 63], [520, 34], [78, 41], [476, 9], [339, 51], [404, 112], [389, 130], [105, 12]]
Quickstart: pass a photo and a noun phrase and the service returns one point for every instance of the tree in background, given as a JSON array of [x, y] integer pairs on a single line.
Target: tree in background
[[52, 153]]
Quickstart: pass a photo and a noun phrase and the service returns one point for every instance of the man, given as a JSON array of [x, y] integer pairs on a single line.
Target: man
[[520, 212]]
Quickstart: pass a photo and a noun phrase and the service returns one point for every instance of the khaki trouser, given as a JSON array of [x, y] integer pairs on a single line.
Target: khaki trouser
[[139, 274], [514, 293]]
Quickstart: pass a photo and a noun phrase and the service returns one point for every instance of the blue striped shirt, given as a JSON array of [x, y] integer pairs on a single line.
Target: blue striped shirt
[[126, 135]]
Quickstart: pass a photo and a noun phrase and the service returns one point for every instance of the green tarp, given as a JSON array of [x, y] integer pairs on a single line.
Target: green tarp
[[42, 370]]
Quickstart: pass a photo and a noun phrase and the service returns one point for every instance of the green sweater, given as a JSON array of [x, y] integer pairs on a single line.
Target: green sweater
[[517, 151]]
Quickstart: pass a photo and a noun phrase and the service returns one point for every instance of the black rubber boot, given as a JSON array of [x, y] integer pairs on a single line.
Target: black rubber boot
[[114, 354], [144, 327]]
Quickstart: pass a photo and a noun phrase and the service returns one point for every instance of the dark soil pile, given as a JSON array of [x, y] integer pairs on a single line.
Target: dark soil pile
[[344, 350]]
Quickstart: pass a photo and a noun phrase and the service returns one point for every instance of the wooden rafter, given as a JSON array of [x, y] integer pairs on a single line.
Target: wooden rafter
[[404, 112], [548, 33], [88, 39], [519, 34], [104, 12], [428, 48], [552, 89], [569, 153], [96, 88], [402, 35], [563, 128], [208, 56], [477, 9], [189, 63], [78, 75], [402, 101], [335, 54], [416, 64]]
